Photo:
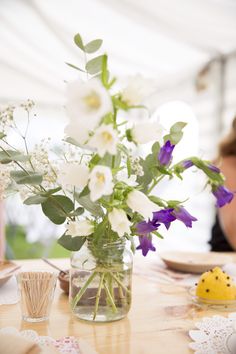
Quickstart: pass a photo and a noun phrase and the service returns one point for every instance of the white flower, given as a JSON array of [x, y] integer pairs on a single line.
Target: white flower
[[119, 222], [139, 202], [146, 132], [87, 103], [73, 175], [137, 90], [78, 131], [105, 139], [122, 176], [100, 182], [80, 228]]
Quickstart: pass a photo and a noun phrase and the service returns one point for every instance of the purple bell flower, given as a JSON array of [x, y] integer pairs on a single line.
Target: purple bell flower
[[187, 163], [163, 216], [165, 153], [145, 245], [223, 196], [213, 168], [183, 215], [145, 227]]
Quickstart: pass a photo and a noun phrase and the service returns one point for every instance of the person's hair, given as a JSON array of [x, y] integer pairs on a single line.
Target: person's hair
[[228, 145]]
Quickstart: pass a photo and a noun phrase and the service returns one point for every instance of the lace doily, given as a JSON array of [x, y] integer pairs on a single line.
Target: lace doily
[[215, 335], [8, 292], [64, 345]]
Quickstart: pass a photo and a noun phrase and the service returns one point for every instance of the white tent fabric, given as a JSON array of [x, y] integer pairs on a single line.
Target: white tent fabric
[[161, 39], [187, 46]]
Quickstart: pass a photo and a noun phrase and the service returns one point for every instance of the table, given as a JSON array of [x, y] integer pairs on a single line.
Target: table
[[158, 322]]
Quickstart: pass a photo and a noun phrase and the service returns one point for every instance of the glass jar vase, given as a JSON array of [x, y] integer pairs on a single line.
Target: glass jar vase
[[100, 281]]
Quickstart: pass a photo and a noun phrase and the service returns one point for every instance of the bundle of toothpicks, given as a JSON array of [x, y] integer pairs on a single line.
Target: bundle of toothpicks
[[36, 290]]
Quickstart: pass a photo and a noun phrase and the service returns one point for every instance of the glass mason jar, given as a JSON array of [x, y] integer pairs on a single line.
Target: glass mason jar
[[100, 281]]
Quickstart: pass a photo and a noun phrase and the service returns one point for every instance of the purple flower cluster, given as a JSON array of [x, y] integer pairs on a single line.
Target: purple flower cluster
[[164, 216]]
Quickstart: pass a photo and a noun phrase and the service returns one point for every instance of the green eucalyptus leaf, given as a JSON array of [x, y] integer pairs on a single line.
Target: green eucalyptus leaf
[[71, 243], [177, 127], [75, 67], [93, 46], [72, 141], [176, 133], [94, 66], [78, 41], [22, 177], [100, 230], [93, 207], [77, 212], [8, 156], [35, 199], [57, 208], [2, 135], [50, 192], [84, 192], [156, 148]]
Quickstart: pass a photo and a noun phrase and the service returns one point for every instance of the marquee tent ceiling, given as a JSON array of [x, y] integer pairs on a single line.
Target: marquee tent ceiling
[[163, 39]]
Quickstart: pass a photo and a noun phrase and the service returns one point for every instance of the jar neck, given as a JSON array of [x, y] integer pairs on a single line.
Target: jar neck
[[118, 244]]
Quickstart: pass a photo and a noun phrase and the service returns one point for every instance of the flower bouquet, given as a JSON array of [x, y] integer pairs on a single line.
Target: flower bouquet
[[98, 186]]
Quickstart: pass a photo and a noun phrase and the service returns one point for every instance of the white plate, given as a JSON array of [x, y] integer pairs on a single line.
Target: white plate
[[194, 262], [7, 270]]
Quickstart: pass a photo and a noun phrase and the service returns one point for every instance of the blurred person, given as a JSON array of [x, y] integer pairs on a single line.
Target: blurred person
[[223, 236]]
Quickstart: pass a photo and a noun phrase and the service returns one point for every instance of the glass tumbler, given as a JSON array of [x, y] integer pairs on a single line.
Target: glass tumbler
[[36, 290]]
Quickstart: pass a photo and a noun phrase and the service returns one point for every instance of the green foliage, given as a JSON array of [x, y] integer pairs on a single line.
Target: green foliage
[[8, 156], [176, 133], [26, 177], [57, 208], [93, 46], [35, 199], [2, 135], [71, 243], [94, 66], [78, 41], [75, 67], [93, 207], [157, 201]]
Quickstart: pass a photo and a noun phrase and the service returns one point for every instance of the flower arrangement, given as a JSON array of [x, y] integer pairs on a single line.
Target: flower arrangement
[[99, 187]]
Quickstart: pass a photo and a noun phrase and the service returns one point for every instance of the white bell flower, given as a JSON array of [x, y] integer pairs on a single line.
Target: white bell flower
[[87, 103], [122, 176], [146, 132], [79, 228], [73, 175], [105, 139], [139, 202], [119, 222], [100, 182], [78, 131], [137, 90]]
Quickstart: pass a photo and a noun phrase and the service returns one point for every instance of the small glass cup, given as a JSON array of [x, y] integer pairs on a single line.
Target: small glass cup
[[36, 290]]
